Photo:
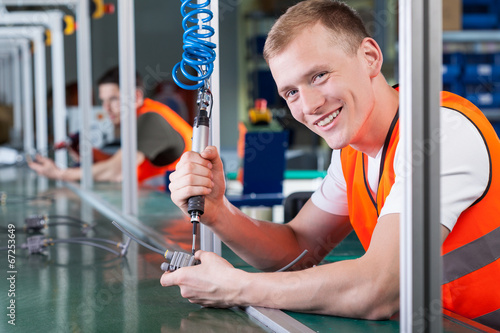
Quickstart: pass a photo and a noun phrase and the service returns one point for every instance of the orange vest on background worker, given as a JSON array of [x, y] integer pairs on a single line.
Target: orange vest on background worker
[[146, 169], [471, 252]]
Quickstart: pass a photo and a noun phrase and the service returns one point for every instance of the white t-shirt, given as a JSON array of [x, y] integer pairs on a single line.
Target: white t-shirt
[[465, 170]]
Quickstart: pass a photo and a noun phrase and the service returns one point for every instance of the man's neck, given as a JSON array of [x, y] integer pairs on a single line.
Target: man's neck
[[377, 125]]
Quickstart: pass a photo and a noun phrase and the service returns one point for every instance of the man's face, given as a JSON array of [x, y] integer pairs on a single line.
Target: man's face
[[109, 94], [326, 89]]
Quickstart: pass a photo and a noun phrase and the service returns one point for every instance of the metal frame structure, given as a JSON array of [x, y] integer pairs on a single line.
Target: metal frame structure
[[5, 74], [35, 33], [53, 20], [26, 89], [27, 83], [84, 63], [420, 46], [126, 43], [84, 54], [208, 240], [11, 51]]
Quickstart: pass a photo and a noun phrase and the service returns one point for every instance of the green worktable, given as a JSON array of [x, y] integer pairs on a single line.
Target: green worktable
[[81, 288]]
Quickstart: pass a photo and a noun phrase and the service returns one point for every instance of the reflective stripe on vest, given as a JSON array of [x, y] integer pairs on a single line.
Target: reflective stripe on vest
[[471, 256], [491, 319], [468, 290]]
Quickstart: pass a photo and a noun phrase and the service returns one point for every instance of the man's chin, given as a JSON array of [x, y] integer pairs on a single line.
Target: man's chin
[[336, 144]]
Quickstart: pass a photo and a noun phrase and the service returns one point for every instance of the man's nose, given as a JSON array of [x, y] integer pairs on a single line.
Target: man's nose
[[312, 100]]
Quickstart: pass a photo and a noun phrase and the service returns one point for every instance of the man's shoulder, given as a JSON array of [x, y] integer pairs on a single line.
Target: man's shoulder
[[150, 117], [150, 105]]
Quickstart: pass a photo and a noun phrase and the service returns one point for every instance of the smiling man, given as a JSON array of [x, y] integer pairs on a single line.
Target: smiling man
[[162, 137], [328, 70]]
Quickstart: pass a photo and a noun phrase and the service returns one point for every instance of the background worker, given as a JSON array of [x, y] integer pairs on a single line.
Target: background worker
[[328, 70], [162, 137]]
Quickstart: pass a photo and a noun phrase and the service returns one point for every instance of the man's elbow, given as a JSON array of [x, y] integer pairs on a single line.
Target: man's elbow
[[380, 305], [381, 311], [366, 307]]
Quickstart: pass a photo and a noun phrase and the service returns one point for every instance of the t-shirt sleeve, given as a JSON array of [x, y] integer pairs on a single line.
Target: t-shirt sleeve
[[158, 140], [331, 196], [464, 169]]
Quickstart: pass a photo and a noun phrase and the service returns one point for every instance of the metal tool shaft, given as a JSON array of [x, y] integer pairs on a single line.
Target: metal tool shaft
[[201, 136]]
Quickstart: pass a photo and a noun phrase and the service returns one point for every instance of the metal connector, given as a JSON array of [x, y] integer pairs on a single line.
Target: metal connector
[[177, 260], [35, 223], [35, 244]]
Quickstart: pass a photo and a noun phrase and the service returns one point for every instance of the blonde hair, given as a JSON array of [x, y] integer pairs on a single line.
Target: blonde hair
[[346, 27]]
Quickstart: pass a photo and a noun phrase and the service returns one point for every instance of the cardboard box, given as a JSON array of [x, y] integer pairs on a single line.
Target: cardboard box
[[452, 14]]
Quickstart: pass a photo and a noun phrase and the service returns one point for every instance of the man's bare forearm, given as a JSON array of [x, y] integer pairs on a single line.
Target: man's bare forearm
[[367, 287], [264, 245], [347, 288], [71, 174]]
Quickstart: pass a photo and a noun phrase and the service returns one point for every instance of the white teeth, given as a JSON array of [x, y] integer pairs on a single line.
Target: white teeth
[[329, 119]]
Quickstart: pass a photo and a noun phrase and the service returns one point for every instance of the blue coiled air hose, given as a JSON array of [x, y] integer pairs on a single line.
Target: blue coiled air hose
[[199, 53]]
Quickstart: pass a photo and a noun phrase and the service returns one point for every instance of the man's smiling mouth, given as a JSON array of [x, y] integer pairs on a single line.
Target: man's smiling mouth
[[326, 121]]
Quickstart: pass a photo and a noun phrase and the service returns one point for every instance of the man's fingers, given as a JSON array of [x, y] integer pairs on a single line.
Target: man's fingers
[[39, 158], [188, 168], [199, 254], [174, 278], [181, 194], [194, 157], [194, 169], [209, 153], [208, 257], [35, 166], [168, 279], [200, 185]]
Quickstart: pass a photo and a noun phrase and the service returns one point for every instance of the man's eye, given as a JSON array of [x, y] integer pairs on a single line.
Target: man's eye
[[290, 93], [318, 76]]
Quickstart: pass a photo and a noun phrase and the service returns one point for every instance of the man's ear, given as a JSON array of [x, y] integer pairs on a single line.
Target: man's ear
[[373, 56], [139, 98]]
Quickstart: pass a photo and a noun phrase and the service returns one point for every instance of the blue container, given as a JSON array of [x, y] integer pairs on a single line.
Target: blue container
[[266, 88], [479, 21], [455, 87], [451, 73], [482, 58], [478, 5], [454, 58], [482, 68], [480, 14], [485, 100], [481, 73]]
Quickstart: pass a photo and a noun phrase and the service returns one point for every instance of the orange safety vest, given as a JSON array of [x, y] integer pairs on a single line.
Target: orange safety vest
[[471, 252], [146, 169]]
